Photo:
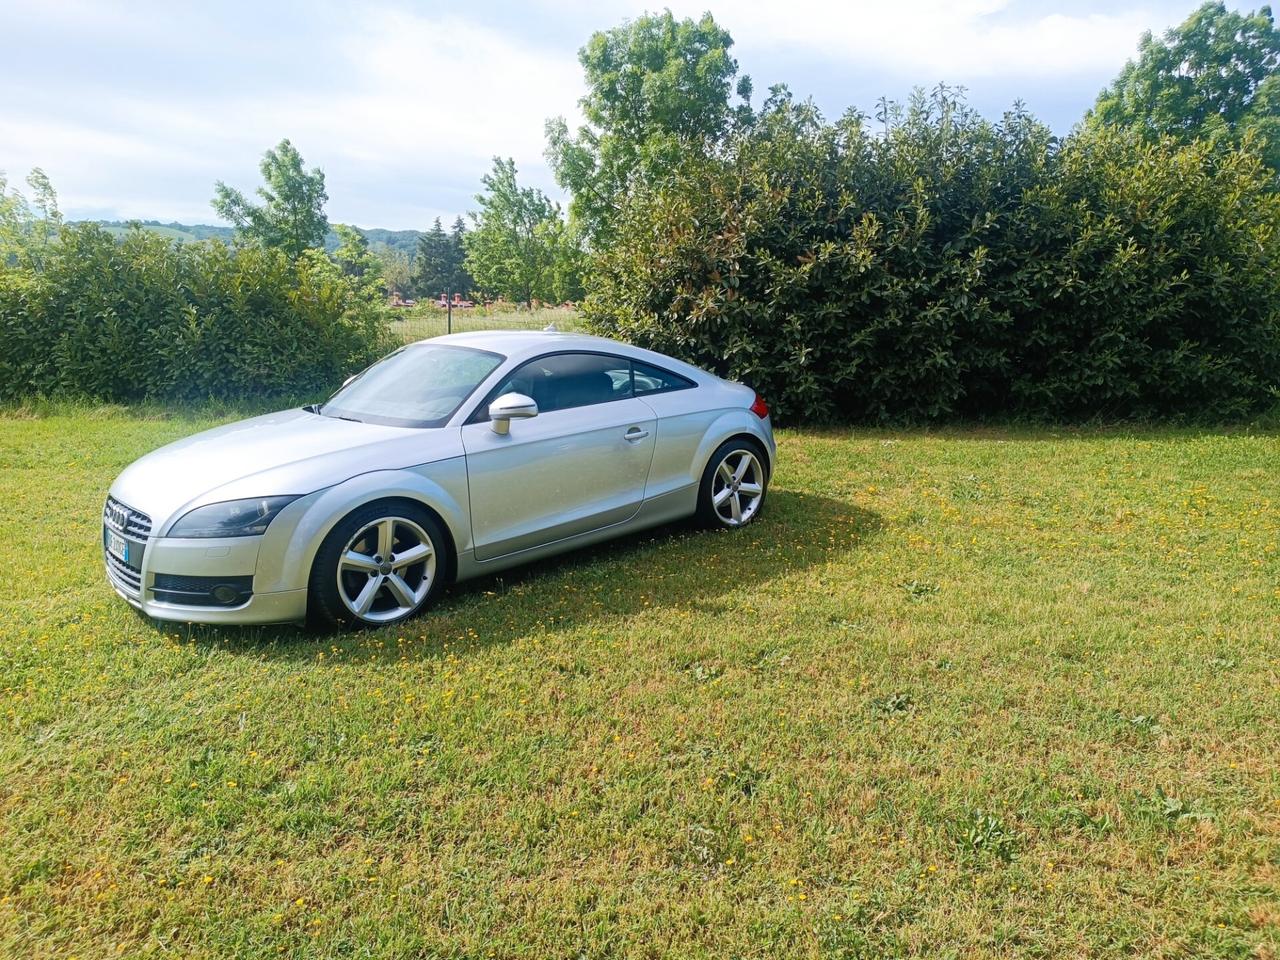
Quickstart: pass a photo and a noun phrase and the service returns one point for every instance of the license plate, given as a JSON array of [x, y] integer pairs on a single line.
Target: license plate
[[117, 546]]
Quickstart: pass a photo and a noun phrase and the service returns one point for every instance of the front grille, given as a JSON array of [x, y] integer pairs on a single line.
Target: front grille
[[126, 520], [198, 591], [124, 576]]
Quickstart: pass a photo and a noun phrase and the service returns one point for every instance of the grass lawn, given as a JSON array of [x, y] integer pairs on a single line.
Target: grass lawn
[[971, 693], [426, 321]]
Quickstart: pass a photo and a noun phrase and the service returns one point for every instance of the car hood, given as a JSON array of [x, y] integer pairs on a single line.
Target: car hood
[[291, 452]]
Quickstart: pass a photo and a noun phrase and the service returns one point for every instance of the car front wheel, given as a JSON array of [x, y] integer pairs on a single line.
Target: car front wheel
[[733, 485], [378, 566]]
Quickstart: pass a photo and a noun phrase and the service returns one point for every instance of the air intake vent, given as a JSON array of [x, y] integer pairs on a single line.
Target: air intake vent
[[202, 591]]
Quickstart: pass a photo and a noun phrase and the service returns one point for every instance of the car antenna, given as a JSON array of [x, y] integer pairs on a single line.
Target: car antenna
[[550, 327]]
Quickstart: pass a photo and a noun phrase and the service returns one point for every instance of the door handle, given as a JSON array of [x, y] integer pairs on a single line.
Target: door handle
[[635, 434]]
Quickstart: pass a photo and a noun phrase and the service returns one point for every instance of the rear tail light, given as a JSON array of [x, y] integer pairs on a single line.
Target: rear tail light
[[759, 407]]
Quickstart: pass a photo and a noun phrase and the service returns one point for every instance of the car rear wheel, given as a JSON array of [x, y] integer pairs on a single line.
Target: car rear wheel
[[380, 565], [734, 485]]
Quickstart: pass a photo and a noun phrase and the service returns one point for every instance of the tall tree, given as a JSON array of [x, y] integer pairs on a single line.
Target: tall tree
[[439, 268], [458, 277], [520, 243], [45, 201], [429, 263], [397, 269], [291, 216], [656, 86], [1215, 77], [28, 227], [14, 217], [359, 264]]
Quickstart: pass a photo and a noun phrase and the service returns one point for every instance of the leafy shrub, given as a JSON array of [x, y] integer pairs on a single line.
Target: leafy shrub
[[143, 318], [955, 267]]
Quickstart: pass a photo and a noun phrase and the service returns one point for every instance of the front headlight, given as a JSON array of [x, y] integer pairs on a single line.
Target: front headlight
[[232, 518]]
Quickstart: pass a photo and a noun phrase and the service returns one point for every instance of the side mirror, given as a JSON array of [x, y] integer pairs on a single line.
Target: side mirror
[[508, 407]]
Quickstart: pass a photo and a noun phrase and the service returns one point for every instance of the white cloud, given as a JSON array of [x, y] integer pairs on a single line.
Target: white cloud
[[406, 105], [421, 94], [930, 39], [452, 86], [422, 98], [39, 141]]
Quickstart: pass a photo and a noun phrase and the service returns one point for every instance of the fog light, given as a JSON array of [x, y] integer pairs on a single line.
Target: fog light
[[225, 593]]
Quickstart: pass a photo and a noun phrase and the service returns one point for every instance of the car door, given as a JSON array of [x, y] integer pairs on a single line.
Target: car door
[[579, 465]]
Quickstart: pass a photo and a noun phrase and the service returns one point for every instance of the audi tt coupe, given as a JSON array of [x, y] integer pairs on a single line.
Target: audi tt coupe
[[448, 459]]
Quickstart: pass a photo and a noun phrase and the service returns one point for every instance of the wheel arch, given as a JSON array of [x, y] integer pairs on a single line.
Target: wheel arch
[[286, 564], [732, 425], [451, 564]]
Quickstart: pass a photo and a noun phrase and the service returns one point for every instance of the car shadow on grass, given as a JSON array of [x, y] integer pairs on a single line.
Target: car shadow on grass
[[676, 565]]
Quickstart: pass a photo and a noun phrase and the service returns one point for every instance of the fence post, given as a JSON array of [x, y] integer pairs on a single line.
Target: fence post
[[449, 298]]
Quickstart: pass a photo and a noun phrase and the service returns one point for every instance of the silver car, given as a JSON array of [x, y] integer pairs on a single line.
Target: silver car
[[451, 458]]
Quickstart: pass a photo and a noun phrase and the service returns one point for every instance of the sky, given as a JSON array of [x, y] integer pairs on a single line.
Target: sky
[[135, 109]]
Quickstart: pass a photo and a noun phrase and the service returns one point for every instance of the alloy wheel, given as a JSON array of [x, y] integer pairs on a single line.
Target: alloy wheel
[[737, 488], [386, 570]]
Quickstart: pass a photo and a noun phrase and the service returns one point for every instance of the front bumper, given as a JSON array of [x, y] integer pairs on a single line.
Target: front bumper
[[289, 606], [234, 558]]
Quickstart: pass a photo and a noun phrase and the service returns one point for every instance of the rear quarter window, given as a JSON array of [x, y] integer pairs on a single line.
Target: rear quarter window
[[648, 379]]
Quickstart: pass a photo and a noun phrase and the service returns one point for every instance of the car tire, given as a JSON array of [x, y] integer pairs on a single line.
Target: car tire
[[381, 565], [734, 485]]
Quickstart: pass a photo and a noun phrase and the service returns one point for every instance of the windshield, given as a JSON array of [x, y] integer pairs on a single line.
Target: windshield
[[417, 386]]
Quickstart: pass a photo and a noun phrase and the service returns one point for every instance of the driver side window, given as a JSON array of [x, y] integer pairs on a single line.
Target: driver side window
[[567, 380]]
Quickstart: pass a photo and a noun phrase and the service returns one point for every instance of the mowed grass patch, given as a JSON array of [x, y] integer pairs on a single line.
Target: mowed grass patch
[[969, 693], [425, 321]]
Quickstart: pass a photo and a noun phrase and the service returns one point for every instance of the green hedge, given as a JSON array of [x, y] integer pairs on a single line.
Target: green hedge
[[949, 267], [142, 318]]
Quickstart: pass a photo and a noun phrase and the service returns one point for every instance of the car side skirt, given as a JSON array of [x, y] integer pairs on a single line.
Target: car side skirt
[[670, 506]]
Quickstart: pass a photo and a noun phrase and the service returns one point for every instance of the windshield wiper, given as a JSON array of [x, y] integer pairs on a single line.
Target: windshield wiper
[[319, 412]]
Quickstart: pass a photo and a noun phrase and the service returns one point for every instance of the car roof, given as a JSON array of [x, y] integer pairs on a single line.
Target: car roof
[[512, 342], [523, 344]]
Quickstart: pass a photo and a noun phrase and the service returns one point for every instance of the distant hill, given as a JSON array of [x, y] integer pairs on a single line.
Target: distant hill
[[174, 231], [403, 240]]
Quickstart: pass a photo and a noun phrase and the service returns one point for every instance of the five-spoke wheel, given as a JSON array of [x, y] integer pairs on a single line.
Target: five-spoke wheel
[[733, 486], [378, 566], [386, 569]]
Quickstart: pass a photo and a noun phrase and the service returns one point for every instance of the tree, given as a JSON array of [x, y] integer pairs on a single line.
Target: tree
[[291, 216], [1216, 77], [655, 88], [457, 277], [521, 248], [397, 269], [429, 264], [15, 215], [45, 201], [28, 228], [568, 265], [358, 262], [440, 264]]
